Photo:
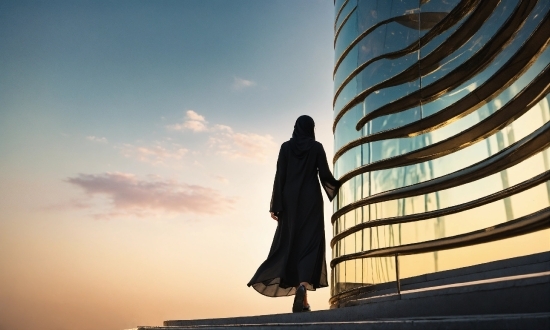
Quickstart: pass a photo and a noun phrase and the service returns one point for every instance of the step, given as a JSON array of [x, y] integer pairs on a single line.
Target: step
[[478, 304], [473, 322], [531, 264], [509, 295]]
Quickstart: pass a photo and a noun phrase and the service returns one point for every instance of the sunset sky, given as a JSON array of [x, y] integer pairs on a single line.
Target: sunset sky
[[138, 142]]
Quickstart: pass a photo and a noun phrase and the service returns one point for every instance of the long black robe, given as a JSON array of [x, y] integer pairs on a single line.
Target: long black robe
[[297, 253]]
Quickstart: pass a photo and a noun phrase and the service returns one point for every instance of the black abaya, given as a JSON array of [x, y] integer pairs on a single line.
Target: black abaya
[[297, 253]]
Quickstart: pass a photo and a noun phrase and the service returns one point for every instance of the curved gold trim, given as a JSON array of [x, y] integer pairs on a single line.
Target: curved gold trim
[[517, 106], [339, 12], [530, 223], [454, 16], [508, 157], [508, 73], [438, 27], [433, 59], [342, 25], [356, 41], [516, 189], [533, 144], [522, 102], [475, 64]]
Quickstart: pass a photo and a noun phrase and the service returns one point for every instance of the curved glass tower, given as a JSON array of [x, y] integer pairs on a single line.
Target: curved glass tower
[[441, 125]]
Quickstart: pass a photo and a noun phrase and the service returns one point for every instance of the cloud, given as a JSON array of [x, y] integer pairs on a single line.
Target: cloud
[[154, 154], [192, 115], [129, 195], [193, 121], [225, 141], [223, 128], [240, 83], [221, 178], [96, 139], [70, 204], [248, 146]]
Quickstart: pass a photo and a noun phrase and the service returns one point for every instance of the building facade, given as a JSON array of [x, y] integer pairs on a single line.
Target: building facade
[[441, 125]]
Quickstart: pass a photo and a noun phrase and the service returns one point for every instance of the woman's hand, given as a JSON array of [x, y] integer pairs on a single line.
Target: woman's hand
[[274, 217]]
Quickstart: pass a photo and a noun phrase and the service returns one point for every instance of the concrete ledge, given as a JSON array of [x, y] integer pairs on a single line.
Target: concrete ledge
[[534, 263], [510, 296], [458, 288], [474, 322], [506, 294]]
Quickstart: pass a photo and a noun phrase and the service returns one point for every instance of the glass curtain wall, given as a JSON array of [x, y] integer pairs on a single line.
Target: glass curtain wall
[[441, 126]]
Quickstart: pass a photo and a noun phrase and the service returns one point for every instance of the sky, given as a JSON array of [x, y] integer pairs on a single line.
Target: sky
[[138, 142]]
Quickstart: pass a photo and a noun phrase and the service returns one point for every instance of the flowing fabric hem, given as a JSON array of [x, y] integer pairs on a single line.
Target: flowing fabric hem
[[272, 288]]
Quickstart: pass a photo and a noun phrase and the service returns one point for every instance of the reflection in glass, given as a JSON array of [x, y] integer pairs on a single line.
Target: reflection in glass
[[393, 25], [348, 32], [337, 6], [470, 85], [392, 178], [481, 217], [486, 186], [363, 272], [345, 12], [501, 12], [419, 264]]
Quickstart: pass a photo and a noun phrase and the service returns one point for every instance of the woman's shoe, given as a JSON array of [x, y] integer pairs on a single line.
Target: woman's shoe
[[298, 305], [307, 308]]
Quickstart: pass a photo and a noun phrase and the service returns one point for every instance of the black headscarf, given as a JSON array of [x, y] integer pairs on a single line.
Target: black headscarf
[[303, 135]]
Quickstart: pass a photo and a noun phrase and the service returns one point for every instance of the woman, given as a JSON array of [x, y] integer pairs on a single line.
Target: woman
[[296, 260]]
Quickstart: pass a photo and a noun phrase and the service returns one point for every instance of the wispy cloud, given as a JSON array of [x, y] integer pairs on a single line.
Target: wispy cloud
[[240, 83], [156, 154], [129, 195], [193, 121], [220, 178], [70, 204], [248, 146], [96, 139], [225, 141]]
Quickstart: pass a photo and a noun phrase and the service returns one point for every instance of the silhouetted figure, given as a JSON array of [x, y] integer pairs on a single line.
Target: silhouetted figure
[[296, 260]]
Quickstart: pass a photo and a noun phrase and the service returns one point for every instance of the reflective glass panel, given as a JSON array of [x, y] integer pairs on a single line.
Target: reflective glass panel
[[345, 12], [337, 6], [348, 33], [523, 126], [419, 264], [401, 176], [405, 26], [485, 216], [470, 85], [487, 31]]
